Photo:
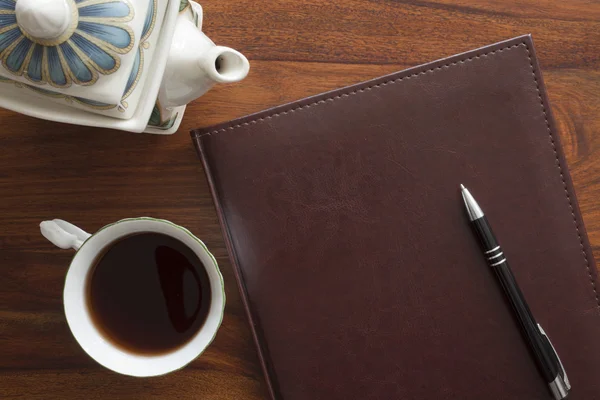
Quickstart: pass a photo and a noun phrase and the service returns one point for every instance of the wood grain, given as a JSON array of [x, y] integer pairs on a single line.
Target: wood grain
[[92, 177]]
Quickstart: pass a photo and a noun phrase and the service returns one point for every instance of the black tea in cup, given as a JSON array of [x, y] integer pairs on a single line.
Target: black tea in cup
[[148, 293]]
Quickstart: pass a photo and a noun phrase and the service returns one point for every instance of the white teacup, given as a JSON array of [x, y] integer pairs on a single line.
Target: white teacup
[[90, 338]]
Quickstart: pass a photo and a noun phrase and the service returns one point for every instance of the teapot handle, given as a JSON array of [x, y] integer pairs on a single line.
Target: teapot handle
[[63, 234]]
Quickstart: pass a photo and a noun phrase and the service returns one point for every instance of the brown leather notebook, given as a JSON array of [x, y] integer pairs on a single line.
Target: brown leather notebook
[[354, 256]]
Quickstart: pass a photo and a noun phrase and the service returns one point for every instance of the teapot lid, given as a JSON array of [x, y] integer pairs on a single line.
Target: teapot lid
[[76, 47]]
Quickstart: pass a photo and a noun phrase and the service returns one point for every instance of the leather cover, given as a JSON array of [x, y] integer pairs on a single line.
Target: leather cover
[[345, 225]]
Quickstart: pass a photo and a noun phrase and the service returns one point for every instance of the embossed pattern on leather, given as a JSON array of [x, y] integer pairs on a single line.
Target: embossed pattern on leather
[[354, 257]]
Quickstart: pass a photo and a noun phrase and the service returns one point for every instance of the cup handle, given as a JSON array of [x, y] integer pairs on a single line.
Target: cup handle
[[63, 234]]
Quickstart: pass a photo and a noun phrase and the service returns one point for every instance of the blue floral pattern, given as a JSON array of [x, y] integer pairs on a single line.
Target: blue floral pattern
[[91, 46], [138, 64], [134, 77]]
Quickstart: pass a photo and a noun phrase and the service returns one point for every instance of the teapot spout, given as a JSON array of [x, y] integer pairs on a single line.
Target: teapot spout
[[225, 65], [195, 64]]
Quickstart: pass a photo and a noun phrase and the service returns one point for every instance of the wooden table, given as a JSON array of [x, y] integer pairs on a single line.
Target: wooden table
[[92, 177]]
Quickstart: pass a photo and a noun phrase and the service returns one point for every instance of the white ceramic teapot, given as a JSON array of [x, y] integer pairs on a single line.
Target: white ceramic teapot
[[124, 64]]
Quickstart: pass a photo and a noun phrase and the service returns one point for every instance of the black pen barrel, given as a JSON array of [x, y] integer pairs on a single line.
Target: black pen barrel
[[495, 257]]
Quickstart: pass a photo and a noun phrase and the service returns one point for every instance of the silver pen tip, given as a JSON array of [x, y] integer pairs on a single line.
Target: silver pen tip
[[473, 208]]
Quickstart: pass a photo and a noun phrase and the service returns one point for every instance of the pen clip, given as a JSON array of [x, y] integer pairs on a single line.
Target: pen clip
[[563, 373]]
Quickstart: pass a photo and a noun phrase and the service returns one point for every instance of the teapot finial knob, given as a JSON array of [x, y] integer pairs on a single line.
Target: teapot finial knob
[[44, 19]]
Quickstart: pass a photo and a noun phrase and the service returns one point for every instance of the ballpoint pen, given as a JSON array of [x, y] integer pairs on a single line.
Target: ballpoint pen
[[543, 351]]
